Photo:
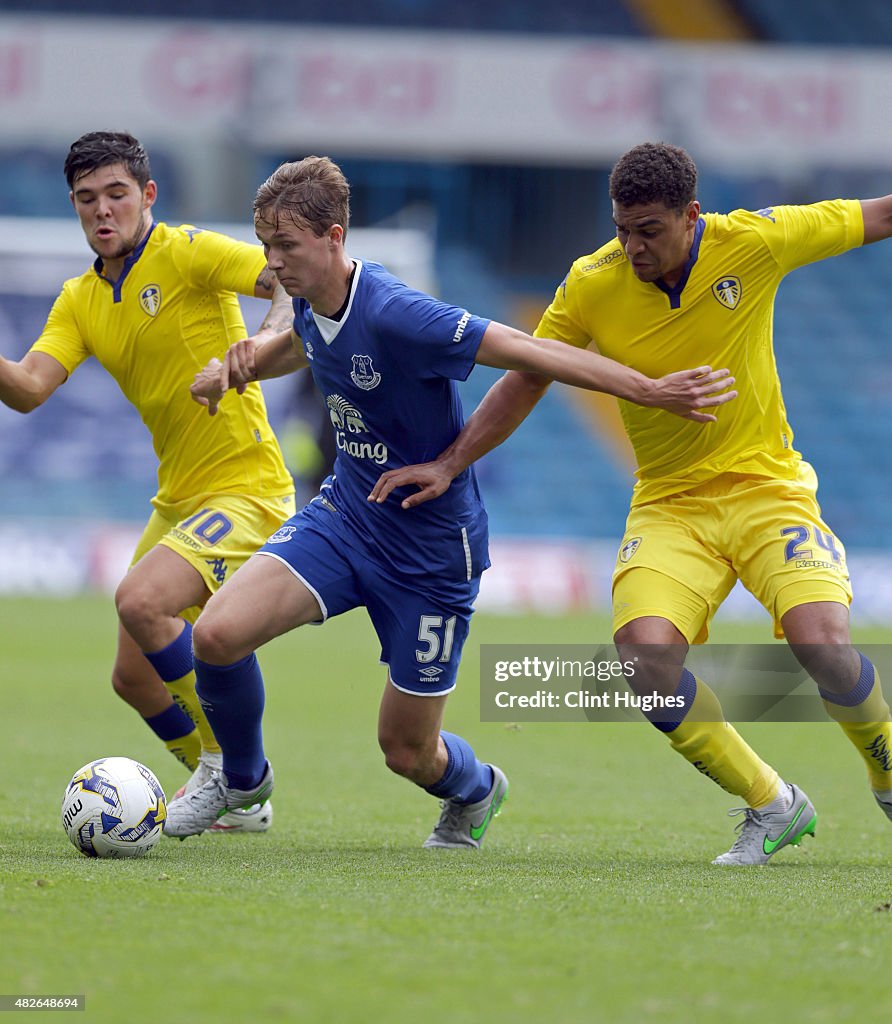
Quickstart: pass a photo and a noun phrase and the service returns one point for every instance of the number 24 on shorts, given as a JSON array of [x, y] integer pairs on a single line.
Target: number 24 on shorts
[[795, 550]]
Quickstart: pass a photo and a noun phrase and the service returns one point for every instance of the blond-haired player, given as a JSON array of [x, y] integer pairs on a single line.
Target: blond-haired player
[[386, 359]]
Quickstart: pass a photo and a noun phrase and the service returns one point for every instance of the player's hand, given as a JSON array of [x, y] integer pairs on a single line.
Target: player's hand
[[432, 479], [240, 364], [686, 392], [210, 385]]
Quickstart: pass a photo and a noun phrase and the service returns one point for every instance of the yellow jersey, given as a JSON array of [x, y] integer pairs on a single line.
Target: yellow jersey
[[720, 314], [173, 309]]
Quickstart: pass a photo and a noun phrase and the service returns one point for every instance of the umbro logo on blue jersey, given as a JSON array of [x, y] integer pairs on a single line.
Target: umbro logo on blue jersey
[[728, 291], [460, 327], [430, 673], [150, 299]]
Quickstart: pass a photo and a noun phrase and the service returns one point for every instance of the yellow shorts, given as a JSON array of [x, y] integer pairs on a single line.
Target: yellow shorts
[[694, 546], [215, 533]]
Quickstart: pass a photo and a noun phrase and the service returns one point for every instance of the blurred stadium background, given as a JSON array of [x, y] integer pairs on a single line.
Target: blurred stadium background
[[478, 139]]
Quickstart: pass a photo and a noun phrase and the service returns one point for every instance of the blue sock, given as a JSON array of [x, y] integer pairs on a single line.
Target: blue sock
[[859, 693], [465, 778], [174, 661], [687, 690], [170, 724], [232, 697]]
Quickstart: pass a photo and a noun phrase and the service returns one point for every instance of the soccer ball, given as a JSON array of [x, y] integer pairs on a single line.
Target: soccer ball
[[114, 807]]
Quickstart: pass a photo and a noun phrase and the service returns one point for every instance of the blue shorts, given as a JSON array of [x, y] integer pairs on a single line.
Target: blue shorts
[[422, 622]]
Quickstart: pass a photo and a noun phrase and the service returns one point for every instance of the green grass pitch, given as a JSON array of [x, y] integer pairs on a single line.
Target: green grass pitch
[[593, 899]]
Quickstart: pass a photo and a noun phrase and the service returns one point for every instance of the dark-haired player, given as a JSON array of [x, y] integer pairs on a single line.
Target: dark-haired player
[[156, 305], [734, 501]]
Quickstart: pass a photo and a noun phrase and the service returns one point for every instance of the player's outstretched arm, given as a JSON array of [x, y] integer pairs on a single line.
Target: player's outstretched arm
[[30, 382], [245, 362], [532, 364], [877, 215], [685, 393]]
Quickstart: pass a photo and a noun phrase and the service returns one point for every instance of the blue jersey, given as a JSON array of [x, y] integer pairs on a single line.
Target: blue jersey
[[387, 371]]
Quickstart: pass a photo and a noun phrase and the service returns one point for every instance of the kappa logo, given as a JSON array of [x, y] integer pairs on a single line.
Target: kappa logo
[[603, 261], [363, 374], [218, 568], [629, 548], [150, 299], [728, 291], [282, 535]]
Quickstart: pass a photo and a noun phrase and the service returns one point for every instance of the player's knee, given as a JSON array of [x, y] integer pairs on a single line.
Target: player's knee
[[211, 642], [832, 665], [134, 605], [652, 646]]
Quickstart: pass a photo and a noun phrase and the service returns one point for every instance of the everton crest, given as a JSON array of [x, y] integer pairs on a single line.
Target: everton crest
[[150, 299], [728, 291], [364, 374], [282, 535]]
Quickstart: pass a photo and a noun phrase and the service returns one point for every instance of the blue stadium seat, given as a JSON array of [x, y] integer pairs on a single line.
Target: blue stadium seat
[[559, 16], [820, 22], [32, 181]]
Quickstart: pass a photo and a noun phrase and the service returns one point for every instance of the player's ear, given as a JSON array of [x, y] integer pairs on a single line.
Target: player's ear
[[150, 193], [336, 234], [693, 211]]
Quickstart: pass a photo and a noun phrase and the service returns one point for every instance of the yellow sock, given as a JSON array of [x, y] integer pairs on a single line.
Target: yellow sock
[[177, 658], [186, 749], [718, 751], [868, 726], [183, 692]]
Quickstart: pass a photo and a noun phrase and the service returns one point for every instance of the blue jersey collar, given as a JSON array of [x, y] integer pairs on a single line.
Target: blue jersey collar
[[675, 293], [116, 286]]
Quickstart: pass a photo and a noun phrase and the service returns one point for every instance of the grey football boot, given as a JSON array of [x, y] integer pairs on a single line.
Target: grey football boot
[[762, 833], [464, 825], [205, 805]]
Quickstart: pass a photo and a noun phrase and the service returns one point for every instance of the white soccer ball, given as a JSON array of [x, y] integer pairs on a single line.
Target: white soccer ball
[[114, 807]]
